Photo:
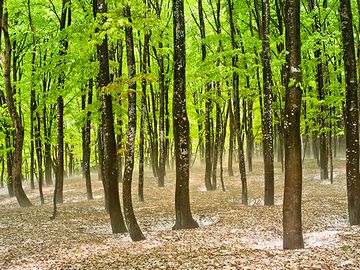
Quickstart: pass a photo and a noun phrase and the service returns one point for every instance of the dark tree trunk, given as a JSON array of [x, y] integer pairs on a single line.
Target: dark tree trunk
[[131, 223], [18, 127], [101, 168], [39, 156], [184, 219], [59, 168], [144, 65], [231, 140], [9, 158], [2, 160], [236, 102], [292, 226], [59, 174], [47, 145], [208, 144], [267, 128], [162, 152], [108, 135], [120, 121], [86, 141], [321, 94], [37, 136], [352, 114]]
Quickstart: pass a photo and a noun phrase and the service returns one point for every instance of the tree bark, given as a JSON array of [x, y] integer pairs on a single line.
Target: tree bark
[[292, 226], [184, 219], [9, 158], [236, 104], [131, 222], [108, 135], [86, 139], [59, 175], [352, 114], [18, 127], [267, 128]]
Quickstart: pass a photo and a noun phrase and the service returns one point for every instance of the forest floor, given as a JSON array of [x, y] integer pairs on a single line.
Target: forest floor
[[231, 235]]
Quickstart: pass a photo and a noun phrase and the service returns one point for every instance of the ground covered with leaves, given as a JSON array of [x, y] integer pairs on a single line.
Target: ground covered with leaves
[[231, 235]]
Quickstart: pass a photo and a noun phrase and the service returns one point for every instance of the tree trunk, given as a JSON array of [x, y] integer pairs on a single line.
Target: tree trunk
[[18, 127], [321, 95], [108, 135], [236, 103], [162, 152], [39, 156], [86, 141], [59, 175], [292, 227], [184, 219], [144, 65], [9, 157], [2, 160], [352, 114], [231, 140], [132, 225], [267, 128]]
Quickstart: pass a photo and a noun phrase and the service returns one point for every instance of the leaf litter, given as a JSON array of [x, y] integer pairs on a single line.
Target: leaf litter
[[231, 235]]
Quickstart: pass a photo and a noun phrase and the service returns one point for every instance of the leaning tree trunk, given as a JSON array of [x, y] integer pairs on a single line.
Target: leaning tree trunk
[[292, 227], [108, 135], [132, 225], [352, 114], [184, 219], [18, 128]]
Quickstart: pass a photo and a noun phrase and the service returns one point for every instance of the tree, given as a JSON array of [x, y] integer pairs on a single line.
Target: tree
[[59, 175], [236, 104], [107, 122], [351, 114], [132, 225], [16, 121], [292, 226], [184, 219], [86, 140], [267, 115]]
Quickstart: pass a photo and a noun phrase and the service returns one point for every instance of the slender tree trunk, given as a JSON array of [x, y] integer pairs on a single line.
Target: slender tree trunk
[[86, 139], [352, 114], [236, 102], [18, 127], [59, 175], [2, 172], [142, 119], [39, 156], [161, 174], [231, 140], [268, 151], [208, 144], [9, 158], [132, 225], [292, 224], [154, 142], [108, 135], [184, 219], [321, 94]]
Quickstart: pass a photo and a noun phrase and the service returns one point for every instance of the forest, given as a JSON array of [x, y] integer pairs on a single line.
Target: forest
[[197, 134]]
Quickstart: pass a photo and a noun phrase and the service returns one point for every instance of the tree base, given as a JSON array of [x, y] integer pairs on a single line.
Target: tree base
[[188, 224]]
